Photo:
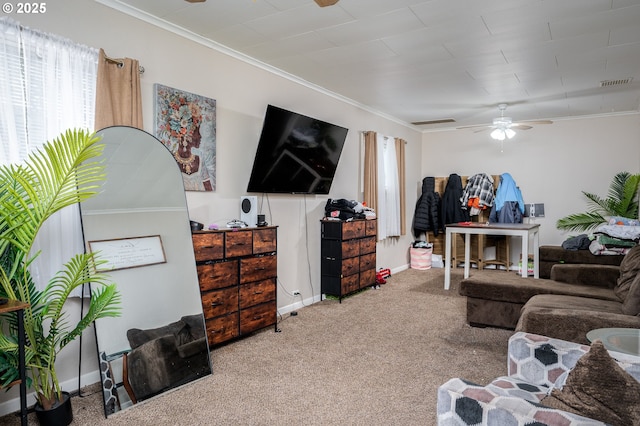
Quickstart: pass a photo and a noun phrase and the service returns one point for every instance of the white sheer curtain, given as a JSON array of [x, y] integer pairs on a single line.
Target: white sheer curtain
[[47, 85], [388, 209]]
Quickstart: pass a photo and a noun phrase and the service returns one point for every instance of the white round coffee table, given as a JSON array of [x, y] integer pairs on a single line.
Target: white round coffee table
[[625, 340]]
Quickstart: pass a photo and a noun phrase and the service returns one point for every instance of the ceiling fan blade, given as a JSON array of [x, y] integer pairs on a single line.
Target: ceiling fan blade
[[487, 128], [535, 122], [323, 3], [475, 126], [520, 126]]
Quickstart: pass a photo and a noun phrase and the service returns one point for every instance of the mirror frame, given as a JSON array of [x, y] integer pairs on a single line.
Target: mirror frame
[[140, 214]]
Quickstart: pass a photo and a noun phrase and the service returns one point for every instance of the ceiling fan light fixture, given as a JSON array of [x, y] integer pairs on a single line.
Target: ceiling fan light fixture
[[502, 133], [510, 133], [498, 134]]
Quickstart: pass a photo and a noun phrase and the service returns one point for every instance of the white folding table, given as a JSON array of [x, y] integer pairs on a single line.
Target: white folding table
[[528, 231]]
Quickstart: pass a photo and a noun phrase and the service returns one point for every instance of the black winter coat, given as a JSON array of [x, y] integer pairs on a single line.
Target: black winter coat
[[452, 210], [427, 213]]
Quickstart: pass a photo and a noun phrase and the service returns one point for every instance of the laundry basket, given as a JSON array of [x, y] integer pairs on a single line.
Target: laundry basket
[[421, 257]]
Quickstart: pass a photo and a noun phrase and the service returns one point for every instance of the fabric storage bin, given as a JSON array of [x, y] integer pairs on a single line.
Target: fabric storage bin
[[436, 261], [421, 257]]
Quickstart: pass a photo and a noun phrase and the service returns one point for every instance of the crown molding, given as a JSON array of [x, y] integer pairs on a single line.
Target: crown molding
[[196, 38]]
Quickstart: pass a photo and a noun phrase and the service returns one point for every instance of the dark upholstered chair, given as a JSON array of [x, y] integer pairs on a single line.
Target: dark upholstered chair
[[165, 357]]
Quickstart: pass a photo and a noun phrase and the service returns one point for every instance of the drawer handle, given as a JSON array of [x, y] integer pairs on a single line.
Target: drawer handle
[[257, 317], [259, 268], [258, 292], [220, 330], [330, 258], [208, 247], [216, 303]]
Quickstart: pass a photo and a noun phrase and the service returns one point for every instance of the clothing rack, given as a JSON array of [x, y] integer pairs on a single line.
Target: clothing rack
[[120, 63]]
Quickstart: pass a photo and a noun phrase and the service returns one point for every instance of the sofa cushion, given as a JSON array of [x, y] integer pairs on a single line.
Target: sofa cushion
[[629, 269], [584, 274], [631, 304], [559, 255], [464, 403], [598, 388], [138, 337], [571, 318], [509, 288]]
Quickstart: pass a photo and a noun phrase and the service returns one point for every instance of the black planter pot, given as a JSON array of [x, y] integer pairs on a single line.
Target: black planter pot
[[60, 414]]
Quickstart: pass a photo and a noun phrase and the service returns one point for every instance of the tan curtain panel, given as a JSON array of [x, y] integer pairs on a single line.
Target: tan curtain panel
[[370, 170], [118, 98], [400, 148]]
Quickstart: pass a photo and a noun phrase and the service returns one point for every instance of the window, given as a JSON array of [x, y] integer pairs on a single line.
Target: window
[[384, 182], [47, 85]]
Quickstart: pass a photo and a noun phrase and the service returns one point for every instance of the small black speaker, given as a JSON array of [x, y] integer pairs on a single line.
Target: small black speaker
[[262, 220]]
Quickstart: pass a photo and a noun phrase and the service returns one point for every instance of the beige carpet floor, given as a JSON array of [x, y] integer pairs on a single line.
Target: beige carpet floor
[[377, 358]]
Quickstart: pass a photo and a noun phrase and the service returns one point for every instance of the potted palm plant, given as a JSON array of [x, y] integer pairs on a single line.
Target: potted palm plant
[[622, 201], [64, 172]]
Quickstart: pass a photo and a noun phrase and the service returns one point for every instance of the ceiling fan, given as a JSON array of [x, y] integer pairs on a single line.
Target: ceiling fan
[[503, 127]]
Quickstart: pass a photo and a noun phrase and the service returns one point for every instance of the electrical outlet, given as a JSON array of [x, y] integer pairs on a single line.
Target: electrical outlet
[[296, 292]]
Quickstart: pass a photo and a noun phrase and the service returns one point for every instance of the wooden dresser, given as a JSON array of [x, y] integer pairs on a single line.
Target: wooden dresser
[[237, 272], [348, 256]]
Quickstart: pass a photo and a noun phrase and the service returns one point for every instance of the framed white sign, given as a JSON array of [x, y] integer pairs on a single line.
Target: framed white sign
[[123, 253]]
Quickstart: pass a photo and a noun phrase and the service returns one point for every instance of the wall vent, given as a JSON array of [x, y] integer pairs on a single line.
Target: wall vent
[[441, 121], [608, 83]]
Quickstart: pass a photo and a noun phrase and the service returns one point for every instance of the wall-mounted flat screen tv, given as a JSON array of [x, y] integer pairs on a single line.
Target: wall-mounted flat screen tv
[[296, 154]]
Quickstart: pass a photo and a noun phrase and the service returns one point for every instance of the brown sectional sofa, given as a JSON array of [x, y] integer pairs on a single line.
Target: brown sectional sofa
[[576, 299], [553, 255]]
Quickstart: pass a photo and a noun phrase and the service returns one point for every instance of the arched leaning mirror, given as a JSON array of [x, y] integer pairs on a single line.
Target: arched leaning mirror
[[139, 224]]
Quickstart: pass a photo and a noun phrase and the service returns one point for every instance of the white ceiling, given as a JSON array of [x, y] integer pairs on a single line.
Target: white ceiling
[[429, 60]]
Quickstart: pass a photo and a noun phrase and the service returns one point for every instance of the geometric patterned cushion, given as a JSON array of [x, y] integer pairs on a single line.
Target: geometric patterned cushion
[[534, 364], [540, 359], [505, 402], [511, 386]]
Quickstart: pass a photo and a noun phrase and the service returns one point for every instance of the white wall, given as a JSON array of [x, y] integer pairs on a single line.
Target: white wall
[[552, 164], [242, 92]]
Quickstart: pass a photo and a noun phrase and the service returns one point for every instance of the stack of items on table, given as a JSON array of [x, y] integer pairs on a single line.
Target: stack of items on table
[[616, 237], [341, 209]]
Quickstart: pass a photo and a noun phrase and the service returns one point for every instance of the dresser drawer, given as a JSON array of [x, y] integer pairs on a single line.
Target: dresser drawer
[[368, 261], [350, 266], [350, 284], [368, 245], [238, 243], [221, 329], [258, 268], [350, 248], [367, 278], [208, 246], [353, 229], [257, 292], [220, 302], [257, 317], [217, 275], [264, 241], [370, 227]]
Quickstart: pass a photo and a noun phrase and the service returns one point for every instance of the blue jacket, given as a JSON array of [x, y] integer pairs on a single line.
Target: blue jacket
[[508, 191]]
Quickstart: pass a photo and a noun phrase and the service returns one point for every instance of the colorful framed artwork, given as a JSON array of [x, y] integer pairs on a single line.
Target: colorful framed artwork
[[186, 124]]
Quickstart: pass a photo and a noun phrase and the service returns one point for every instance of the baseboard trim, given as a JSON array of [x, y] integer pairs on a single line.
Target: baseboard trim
[[13, 405]]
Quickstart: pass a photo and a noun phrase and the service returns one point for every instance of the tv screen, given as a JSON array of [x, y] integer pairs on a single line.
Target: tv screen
[[296, 154]]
